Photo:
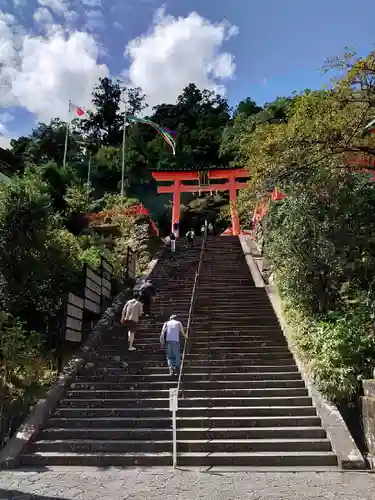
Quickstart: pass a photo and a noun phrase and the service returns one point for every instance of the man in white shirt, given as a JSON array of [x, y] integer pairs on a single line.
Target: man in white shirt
[[131, 313], [170, 339]]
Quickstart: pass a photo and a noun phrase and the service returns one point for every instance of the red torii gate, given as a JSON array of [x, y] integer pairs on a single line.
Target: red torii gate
[[204, 185]]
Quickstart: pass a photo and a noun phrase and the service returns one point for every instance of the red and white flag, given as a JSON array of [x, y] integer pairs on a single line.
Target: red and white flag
[[76, 110]]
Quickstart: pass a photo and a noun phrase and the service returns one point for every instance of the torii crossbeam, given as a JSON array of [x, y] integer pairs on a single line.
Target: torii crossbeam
[[204, 184]]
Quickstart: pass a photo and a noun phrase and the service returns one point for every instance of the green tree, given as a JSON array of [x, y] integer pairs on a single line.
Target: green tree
[[320, 127], [104, 125], [319, 241], [46, 145], [247, 107], [39, 260], [199, 118]]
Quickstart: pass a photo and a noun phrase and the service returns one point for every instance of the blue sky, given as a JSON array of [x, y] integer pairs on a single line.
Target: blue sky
[[54, 50]]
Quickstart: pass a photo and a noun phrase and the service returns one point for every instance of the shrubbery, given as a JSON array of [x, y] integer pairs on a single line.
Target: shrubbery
[[320, 247], [39, 258]]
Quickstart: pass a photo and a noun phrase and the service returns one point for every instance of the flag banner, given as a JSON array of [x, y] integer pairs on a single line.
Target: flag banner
[[76, 110], [173, 133], [162, 131]]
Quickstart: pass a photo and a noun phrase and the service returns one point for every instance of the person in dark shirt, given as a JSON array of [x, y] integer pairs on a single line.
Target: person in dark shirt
[[147, 294]]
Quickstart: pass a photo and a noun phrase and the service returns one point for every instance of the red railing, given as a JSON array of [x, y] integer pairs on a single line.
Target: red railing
[[131, 211]]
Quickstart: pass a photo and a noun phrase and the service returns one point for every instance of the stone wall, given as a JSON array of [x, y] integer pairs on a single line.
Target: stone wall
[[368, 417]]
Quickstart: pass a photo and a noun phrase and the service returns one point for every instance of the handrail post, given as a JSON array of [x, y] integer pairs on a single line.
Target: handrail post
[[173, 405], [173, 393]]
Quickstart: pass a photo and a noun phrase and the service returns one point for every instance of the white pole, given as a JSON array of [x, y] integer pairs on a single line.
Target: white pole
[[173, 406], [89, 170], [66, 140], [123, 152], [174, 428]]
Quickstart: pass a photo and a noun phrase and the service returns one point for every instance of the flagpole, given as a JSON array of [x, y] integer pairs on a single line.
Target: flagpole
[[123, 152], [66, 139], [89, 170]]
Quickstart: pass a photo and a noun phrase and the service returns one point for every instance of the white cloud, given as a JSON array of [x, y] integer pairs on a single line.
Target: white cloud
[[43, 15], [59, 6], [5, 118], [4, 142], [3, 129], [94, 21], [179, 51], [42, 74], [70, 17], [92, 3], [19, 3]]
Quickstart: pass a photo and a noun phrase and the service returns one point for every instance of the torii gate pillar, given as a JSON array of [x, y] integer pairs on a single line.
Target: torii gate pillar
[[176, 211], [236, 229]]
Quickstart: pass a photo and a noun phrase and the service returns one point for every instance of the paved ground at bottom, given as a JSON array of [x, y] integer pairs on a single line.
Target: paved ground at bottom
[[166, 484]]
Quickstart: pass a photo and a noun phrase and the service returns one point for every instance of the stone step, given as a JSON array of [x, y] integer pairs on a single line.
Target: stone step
[[222, 341], [227, 323], [201, 364], [218, 285], [192, 446], [274, 338], [94, 393], [195, 373], [234, 312], [107, 350], [278, 365], [211, 351], [238, 422], [144, 433], [186, 403], [204, 387], [241, 340], [198, 411], [217, 328], [258, 459], [209, 330], [217, 280], [235, 299], [198, 356], [197, 379]]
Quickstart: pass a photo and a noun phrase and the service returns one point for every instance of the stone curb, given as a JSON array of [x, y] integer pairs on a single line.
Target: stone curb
[[343, 444], [10, 454], [255, 273]]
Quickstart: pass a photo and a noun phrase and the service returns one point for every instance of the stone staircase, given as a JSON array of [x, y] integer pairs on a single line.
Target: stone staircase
[[243, 401], [117, 412]]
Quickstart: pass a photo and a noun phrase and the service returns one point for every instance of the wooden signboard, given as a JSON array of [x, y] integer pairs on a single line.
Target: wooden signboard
[[93, 291], [74, 318]]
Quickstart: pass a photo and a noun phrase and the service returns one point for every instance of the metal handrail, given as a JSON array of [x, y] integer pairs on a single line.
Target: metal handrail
[[192, 301]]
